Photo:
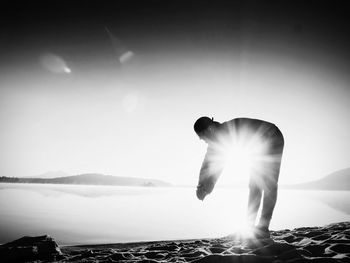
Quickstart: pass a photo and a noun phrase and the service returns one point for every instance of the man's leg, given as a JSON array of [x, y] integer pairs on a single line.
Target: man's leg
[[270, 193], [269, 202], [254, 201], [270, 178]]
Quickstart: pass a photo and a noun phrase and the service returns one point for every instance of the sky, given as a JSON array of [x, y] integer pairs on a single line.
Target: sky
[[116, 89]]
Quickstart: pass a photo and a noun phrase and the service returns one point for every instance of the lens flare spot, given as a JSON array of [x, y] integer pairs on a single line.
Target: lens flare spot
[[54, 63], [125, 57]]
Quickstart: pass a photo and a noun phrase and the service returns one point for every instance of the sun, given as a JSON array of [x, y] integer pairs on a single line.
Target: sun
[[238, 164], [239, 155]]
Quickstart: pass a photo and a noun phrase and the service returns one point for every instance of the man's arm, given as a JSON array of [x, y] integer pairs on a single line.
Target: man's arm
[[210, 171]]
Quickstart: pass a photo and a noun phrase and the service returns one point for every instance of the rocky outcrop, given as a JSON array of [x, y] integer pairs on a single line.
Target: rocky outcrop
[[29, 249]]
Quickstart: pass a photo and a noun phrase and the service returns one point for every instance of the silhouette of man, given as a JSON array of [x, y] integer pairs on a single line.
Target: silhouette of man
[[264, 142]]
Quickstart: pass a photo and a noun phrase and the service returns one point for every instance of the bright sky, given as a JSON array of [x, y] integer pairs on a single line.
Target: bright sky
[[138, 121], [65, 107]]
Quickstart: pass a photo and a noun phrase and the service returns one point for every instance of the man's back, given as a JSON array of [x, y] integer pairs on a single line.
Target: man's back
[[247, 127]]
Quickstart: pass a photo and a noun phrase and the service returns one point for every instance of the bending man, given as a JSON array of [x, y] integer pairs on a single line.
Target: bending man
[[263, 142]]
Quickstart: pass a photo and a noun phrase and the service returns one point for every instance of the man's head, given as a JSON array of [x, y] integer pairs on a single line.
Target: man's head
[[204, 127]]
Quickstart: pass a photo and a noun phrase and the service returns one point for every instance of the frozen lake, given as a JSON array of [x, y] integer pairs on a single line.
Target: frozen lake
[[110, 214]]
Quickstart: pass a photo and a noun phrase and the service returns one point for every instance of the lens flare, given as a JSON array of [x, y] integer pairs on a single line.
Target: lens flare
[[123, 53], [239, 154], [238, 162], [245, 231], [125, 57], [54, 63]]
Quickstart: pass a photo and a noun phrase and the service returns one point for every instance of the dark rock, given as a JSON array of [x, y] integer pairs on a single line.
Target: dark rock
[[118, 256], [18, 254], [233, 259], [169, 247], [193, 254], [85, 254], [322, 237], [217, 250], [279, 248], [313, 233], [340, 248], [154, 255], [316, 250], [291, 254], [289, 238], [324, 260], [237, 250], [30, 248], [274, 249], [147, 261], [297, 239], [338, 241], [338, 226]]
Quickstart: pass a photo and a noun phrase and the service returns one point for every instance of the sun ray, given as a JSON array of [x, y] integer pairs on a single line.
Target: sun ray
[[241, 153]]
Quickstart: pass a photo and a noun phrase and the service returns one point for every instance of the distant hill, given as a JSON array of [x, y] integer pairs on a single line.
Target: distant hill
[[339, 180], [50, 174], [89, 179]]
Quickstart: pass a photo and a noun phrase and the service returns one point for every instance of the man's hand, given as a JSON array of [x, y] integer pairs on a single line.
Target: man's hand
[[201, 192], [204, 188]]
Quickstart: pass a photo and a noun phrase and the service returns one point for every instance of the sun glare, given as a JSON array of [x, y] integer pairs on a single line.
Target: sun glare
[[245, 231], [241, 230], [240, 155], [238, 163]]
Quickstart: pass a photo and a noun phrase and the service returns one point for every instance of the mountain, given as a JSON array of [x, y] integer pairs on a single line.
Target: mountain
[[339, 180], [50, 174], [89, 179]]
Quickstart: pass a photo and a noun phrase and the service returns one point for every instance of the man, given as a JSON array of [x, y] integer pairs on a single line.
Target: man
[[263, 143]]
